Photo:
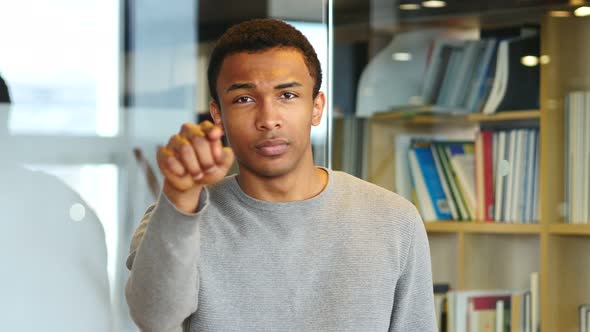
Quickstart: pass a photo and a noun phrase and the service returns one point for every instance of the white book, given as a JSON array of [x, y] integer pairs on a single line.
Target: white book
[[518, 185], [500, 79], [577, 180], [573, 117], [584, 312], [536, 211], [451, 312], [567, 164], [535, 302], [509, 187], [461, 298], [494, 159], [530, 175], [527, 312], [500, 177], [586, 163], [500, 316]]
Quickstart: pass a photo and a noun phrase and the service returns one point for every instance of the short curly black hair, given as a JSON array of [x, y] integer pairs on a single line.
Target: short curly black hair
[[259, 35]]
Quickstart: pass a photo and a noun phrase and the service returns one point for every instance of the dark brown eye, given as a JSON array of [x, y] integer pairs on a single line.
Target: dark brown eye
[[288, 95], [243, 100]]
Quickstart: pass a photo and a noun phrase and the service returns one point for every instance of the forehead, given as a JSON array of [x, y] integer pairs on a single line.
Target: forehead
[[273, 62]]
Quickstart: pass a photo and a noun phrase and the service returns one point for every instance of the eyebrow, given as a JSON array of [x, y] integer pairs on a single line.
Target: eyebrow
[[238, 86]]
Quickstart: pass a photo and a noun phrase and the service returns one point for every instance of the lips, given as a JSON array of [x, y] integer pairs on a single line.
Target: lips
[[272, 147]]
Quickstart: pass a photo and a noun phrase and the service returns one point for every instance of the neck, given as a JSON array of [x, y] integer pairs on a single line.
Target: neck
[[293, 186]]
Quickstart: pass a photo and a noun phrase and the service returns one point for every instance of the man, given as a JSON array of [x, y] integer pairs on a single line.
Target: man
[[284, 245]]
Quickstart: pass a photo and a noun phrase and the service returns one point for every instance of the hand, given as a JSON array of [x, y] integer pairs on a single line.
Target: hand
[[193, 158]]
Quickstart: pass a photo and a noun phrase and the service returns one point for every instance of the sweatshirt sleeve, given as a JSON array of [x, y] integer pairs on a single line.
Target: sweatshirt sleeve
[[162, 288], [413, 308]]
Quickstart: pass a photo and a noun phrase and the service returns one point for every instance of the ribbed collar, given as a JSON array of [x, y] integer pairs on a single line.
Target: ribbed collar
[[310, 203]]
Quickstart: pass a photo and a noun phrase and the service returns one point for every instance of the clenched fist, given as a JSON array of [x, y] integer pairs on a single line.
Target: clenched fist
[[193, 158]]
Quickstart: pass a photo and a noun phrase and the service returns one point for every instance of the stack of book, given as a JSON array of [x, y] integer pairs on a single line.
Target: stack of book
[[577, 184], [490, 310], [488, 75], [494, 179]]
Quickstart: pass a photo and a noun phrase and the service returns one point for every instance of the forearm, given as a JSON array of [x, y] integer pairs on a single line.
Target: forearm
[[162, 289]]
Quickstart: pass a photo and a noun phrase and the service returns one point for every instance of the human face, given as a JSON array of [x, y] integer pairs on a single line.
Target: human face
[[267, 110]]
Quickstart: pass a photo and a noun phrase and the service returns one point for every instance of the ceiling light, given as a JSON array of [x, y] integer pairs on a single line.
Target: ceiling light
[[409, 6], [560, 13], [401, 56], [582, 11], [529, 60], [434, 4]]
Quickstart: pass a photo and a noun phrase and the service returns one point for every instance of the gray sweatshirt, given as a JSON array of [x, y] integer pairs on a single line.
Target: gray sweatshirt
[[353, 258]]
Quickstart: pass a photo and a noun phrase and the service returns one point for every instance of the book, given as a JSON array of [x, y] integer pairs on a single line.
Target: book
[[509, 189], [463, 162], [522, 82], [483, 76], [534, 280], [451, 180], [530, 178], [584, 311], [501, 169], [459, 306], [484, 165], [445, 182], [431, 196], [483, 312], [508, 91]]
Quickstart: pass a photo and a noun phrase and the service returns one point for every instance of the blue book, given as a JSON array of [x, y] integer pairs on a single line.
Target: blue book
[[433, 182]]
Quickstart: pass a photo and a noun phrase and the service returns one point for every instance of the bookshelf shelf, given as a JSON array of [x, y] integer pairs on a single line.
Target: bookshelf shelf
[[482, 227], [506, 116], [569, 229], [426, 116]]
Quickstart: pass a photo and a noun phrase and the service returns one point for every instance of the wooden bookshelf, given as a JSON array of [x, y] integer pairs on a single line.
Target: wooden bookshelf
[[481, 227], [480, 255], [569, 229], [427, 116]]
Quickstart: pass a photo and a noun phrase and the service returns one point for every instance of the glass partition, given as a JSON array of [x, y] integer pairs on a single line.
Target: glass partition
[[93, 88]]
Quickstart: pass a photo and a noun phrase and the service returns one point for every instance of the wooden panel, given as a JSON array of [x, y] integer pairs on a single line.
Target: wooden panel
[[564, 43], [500, 261], [444, 250], [569, 273]]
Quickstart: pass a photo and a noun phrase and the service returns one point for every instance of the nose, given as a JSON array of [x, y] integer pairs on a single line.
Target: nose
[[268, 117]]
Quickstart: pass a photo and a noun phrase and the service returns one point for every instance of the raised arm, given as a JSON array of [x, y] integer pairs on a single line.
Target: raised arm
[[162, 289]]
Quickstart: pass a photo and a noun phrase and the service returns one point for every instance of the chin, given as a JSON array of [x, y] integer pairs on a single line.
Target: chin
[[268, 170]]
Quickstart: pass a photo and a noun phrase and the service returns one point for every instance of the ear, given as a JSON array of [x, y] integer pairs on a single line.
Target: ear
[[318, 108], [215, 112]]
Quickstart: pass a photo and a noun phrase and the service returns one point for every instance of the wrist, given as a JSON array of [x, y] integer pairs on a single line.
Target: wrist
[[184, 201]]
